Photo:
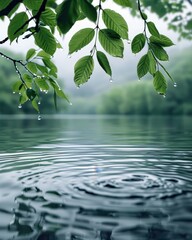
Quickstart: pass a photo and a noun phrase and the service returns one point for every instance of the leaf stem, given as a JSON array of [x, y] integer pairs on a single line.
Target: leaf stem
[[96, 30]]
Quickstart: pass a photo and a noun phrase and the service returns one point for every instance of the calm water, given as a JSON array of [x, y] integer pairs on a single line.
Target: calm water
[[82, 178]]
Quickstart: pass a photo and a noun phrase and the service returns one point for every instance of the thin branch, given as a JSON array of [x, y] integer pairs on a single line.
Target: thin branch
[[10, 7], [4, 40], [36, 17], [15, 65]]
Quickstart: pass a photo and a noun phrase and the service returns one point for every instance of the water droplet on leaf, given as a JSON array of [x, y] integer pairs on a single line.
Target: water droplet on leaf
[[175, 85], [39, 118], [20, 106]]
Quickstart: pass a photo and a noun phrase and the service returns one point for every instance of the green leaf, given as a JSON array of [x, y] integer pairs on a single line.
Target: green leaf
[[111, 42], [152, 29], [58, 90], [83, 70], [42, 84], [104, 63], [15, 24], [88, 10], [81, 39], [67, 15], [159, 52], [116, 22], [123, 3], [152, 63], [30, 54], [35, 105], [23, 98], [42, 68], [28, 80], [168, 74], [32, 67], [143, 66], [31, 94], [138, 43], [44, 55], [160, 83], [49, 17], [45, 40], [48, 63], [33, 4], [17, 86], [162, 40], [53, 73]]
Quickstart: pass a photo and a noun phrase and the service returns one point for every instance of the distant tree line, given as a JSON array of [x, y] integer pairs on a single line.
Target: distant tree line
[[139, 97]]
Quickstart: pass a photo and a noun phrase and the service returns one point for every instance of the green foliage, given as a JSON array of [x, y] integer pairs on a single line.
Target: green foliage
[[138, 43], [45, 40], [83, 70], [16, 24], [115, 22], [81, 39], [88, 10], [111, 42], [139, 97], [104, 63], [45, 18], [67, 15], [160, 83], [143, 66]]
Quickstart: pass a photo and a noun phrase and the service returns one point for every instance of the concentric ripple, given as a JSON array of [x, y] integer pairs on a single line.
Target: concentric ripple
[[68, 188]]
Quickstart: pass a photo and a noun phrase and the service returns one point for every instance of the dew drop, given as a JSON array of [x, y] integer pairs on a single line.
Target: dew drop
[[164, 96], [39, 103], [70, 103], [111, 80], [175, 85], [39, 118], [13, 92], [20, 106]]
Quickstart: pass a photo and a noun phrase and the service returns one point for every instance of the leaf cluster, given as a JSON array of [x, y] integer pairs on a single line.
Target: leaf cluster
[[43, 18]]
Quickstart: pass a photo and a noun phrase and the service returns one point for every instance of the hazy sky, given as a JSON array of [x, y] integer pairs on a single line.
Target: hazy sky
[[65, 64]]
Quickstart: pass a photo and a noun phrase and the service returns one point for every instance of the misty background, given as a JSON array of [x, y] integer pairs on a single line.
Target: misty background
[[100, 94]]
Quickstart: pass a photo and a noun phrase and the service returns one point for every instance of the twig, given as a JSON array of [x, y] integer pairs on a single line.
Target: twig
[[36, 17]]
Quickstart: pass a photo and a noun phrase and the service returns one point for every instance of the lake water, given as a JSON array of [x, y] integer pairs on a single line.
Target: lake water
[[96, 178]]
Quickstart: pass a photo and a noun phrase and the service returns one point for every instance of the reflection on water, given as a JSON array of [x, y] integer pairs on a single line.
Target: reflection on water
[[102, 178]]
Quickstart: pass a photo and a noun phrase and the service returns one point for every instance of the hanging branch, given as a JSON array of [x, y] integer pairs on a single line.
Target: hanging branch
[[9, 8], [36, 17]]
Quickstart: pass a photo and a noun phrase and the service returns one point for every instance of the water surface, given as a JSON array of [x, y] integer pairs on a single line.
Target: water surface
[[96, 178]]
